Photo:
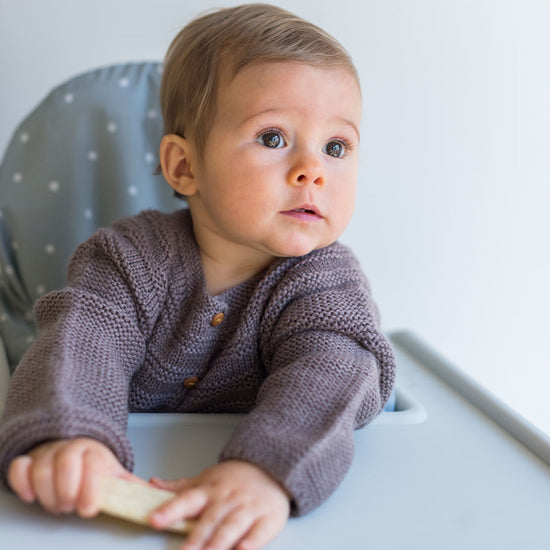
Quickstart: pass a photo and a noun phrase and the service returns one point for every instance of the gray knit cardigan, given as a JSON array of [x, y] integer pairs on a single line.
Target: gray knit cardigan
[[298, 348]]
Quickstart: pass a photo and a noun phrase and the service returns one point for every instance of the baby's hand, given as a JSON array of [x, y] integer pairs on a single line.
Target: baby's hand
[[64, 475], [237, 504]]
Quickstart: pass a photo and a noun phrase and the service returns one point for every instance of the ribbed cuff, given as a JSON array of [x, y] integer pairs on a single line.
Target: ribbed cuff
[[309, 473]]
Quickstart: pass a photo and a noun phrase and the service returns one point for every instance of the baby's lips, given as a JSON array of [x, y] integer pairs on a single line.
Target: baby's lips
[[306, 209]]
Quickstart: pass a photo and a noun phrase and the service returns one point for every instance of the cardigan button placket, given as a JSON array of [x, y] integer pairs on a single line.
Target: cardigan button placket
[[217, 319], [191, 382]]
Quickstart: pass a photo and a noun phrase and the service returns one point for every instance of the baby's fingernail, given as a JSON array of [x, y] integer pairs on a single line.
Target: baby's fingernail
[[87, 511], [157, 519]]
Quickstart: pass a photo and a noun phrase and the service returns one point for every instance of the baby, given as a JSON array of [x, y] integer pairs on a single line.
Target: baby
[[244, 302]]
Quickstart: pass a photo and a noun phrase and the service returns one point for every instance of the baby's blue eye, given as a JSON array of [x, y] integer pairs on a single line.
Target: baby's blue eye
[[273, 140], [335, 149]]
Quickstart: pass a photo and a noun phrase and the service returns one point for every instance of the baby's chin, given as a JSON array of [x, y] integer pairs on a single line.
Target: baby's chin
[[298, 249]]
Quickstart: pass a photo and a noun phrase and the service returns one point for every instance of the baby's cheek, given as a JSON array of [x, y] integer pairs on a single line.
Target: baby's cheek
[[345, 206]]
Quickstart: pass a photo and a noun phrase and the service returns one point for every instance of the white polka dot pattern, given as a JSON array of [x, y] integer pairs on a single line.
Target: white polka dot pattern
[[82, 159], [53, 186]]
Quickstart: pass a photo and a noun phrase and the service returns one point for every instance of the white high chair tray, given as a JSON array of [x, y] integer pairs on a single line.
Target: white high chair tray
[[438, 474]]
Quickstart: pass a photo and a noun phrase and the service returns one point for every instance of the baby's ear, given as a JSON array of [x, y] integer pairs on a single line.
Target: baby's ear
[[177, 156]]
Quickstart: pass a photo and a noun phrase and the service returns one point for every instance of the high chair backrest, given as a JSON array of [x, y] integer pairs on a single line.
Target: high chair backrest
[[83, 158]]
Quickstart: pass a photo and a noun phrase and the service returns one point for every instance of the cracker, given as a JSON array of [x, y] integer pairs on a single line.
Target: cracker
[[134, 502]]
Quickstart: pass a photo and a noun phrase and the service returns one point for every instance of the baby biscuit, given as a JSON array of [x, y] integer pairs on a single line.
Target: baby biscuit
[[135, 502]]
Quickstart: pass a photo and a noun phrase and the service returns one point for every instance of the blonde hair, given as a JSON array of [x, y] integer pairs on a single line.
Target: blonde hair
[[219, 44]]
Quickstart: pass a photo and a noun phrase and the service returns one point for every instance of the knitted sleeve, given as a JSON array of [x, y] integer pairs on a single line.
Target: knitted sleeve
[[74, 379], [330, 371]]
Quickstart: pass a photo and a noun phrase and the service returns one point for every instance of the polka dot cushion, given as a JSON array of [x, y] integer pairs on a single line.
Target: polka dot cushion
[[82, 159]]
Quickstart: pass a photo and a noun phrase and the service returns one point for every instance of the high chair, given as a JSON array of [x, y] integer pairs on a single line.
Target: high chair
[[83, 158], [451, 467]]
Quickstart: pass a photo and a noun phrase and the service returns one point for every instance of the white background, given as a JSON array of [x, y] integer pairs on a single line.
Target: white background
[[452, 222]]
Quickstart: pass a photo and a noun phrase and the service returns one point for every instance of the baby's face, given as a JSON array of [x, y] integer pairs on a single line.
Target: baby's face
[[280, 162]]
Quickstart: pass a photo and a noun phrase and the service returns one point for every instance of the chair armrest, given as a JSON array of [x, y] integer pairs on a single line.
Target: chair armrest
[[4, 376]]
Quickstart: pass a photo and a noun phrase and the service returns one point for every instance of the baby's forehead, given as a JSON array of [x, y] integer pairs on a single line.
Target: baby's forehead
[[228, 72], [292, 90]]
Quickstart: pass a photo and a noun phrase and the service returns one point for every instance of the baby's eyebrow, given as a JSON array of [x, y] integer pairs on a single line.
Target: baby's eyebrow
[[350, 123], [270, 111]]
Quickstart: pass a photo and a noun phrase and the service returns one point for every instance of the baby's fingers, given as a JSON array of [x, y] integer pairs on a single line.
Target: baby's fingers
[[175, 485], [93, 468], [19, 478], [227, 532], [262, 532], [184, 506], [67, 478]]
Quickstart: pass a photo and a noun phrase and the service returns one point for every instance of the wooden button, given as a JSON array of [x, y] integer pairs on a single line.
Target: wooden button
[[190, 382], [217, 319]]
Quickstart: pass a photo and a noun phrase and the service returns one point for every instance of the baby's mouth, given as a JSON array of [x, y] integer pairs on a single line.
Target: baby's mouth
[[305, 213]]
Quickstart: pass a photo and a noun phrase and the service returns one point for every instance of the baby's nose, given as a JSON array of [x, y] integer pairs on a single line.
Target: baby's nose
[[307, 169]]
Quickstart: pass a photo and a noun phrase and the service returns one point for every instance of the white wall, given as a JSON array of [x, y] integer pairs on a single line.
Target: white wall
[[451, 221]]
